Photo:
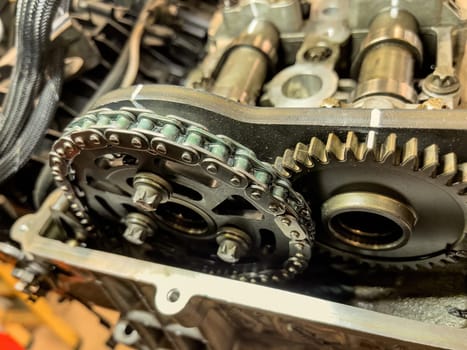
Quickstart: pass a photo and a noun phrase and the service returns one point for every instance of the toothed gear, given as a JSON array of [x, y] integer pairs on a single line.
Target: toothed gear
[[387, 203], [178, 183]]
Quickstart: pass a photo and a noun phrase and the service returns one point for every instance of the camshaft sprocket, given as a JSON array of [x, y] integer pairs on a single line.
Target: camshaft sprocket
[[189, 189], [384, 203]]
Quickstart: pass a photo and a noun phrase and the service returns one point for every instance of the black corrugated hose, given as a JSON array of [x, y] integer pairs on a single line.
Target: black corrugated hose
[[21, 128]]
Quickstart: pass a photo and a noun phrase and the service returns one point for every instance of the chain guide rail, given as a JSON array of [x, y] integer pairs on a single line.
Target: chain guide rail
[[177, 139]]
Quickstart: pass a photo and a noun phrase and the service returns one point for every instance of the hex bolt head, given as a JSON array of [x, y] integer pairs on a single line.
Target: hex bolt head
[[230, 251], [147, 198], [233, 244], [150, 191], [135, 234], [138, 228], [441, 85]]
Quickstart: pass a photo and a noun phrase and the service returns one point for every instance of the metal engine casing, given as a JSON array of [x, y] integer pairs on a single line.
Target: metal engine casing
[[326, 302]]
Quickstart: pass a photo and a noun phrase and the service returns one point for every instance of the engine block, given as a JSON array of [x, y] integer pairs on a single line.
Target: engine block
[[253, 174]]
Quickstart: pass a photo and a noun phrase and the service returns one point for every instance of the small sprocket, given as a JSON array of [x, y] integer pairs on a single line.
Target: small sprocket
[[184, 194]]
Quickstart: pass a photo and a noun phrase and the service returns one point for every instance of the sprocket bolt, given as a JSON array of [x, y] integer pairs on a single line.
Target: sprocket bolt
[[139, 228], [233, 244], [150, 191], [229, 251]]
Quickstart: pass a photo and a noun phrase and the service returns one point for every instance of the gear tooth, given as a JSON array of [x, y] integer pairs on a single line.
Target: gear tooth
[[410, 154], [370, 147], [351, 145], [449, 169], [288, 161], [463, 173], [362, 151], [317, 150], [387, 150], [357, 149], [336, 147], [300, 155], [280, 169], [460, 179], [430, 160]]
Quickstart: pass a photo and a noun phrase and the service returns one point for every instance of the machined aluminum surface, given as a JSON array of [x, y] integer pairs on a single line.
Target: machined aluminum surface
[[190, 295]]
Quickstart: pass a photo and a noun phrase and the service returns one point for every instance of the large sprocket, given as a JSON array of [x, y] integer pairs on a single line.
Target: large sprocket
[[385, 203]]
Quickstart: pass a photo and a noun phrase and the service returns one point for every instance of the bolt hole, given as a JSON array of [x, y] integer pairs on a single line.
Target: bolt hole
[[173, 295]]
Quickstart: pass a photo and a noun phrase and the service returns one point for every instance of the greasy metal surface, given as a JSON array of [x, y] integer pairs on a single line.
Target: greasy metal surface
[[387, 56], [244, 66], [313, 321]]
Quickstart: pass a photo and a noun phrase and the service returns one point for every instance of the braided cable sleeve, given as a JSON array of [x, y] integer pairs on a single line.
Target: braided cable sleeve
[[35, 129], [35, 22]]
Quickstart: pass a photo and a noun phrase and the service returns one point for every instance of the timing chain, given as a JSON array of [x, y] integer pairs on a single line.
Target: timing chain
[[180, 140]]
